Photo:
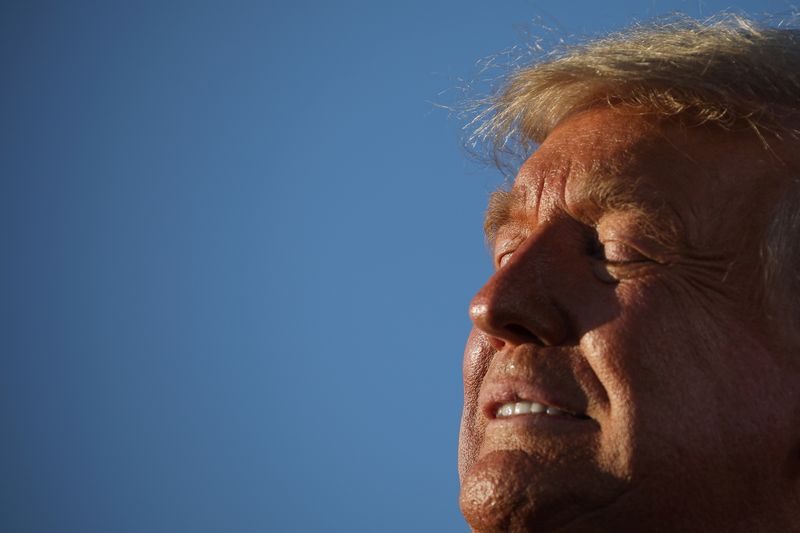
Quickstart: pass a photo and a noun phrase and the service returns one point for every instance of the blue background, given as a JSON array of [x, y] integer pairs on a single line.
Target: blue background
[[237, 244]]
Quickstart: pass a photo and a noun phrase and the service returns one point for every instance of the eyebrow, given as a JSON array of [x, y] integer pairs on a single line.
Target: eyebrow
[[502, 202]]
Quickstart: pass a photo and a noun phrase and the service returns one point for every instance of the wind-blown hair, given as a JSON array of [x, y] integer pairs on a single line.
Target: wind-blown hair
[[728, 71]]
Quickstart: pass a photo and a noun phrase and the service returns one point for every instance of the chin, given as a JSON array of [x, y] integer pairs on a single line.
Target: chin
[[512, 491]]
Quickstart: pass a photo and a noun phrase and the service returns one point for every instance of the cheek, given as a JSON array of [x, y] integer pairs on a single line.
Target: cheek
[[658, 345], [684, 386], [477, 356], [649, 360], [474, 352]]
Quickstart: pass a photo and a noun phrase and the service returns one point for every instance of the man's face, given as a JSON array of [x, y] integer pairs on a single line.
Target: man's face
[[621, 371]]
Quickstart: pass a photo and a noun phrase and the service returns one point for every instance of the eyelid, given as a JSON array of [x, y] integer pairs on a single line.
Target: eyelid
[[618, 252], [503, 255], [503, 258], [619, 260], [504, 249]]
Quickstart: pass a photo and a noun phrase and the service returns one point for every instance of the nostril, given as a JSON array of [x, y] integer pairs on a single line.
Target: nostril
[[520, 332]]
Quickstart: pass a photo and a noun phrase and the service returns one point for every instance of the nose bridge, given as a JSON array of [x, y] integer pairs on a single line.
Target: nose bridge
[[519, 302]]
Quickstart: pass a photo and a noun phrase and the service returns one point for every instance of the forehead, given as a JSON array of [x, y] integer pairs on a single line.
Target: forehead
[[607, 159]]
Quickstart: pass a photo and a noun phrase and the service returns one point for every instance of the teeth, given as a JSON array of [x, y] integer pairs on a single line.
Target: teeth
[[506, 410], [523, 408]]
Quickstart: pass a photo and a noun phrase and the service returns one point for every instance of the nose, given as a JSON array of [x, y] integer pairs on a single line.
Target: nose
[[518, 304]]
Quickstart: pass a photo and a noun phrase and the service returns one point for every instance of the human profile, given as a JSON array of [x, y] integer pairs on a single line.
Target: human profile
[[634, 362]]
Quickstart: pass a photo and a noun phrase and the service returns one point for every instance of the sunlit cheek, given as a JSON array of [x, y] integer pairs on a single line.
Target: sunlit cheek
[[475, 358], [611, 356], [596, 346]]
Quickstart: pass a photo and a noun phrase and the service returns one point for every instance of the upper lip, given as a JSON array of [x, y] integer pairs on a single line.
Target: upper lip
[[495, 394]]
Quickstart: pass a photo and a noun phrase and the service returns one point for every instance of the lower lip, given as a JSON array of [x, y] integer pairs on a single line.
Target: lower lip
[[545, 421]]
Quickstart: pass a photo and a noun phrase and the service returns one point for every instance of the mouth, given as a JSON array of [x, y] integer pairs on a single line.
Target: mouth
[[522, 408], [528, 400]]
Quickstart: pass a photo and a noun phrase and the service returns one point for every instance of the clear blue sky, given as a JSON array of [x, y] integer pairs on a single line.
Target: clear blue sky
[[237, 244]]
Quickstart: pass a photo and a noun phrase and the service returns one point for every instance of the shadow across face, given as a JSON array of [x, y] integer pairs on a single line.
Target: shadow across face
[[619, 373]]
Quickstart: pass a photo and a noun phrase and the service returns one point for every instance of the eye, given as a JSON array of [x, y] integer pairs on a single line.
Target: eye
[[612, 251], [615, 260], [618, 253], [504, 248], [504, 258]]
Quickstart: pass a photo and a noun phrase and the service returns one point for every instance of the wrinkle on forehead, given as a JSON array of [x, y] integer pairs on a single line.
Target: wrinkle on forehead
[[521, 203], [586, 191], [691, 189]]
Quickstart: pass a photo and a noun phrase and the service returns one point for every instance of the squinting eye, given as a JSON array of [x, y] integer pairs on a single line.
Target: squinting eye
[[613, 258], [615, 252], [503, 259]]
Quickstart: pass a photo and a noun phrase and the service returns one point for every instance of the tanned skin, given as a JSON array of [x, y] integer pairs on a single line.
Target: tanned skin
[[627, 294]]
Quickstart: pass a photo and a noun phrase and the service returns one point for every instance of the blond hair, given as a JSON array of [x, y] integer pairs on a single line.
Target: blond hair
[[727, 71]]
